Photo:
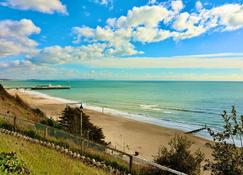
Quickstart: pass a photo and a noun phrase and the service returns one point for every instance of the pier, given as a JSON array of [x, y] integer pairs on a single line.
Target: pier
[[42, 87]]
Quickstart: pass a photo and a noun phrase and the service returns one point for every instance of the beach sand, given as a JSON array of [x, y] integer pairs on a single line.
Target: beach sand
[[124, 134]]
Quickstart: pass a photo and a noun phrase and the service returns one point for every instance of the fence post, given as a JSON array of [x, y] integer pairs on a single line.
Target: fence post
[[14, 123], [82, 146], [130, 163], [46, 132]]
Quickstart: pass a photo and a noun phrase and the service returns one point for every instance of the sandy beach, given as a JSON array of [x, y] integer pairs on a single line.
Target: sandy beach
[[124, 134]]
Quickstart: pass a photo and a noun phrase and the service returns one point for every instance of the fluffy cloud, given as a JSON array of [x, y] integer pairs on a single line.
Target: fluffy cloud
[[14, 37], [116, 42], [177, 5], [68, 54], [223, 18], [15, 63], [119, 32], [45, 6], [228, 16], [198, 5], [155, 23]]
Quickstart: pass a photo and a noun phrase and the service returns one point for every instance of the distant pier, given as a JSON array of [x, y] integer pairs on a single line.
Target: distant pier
[[41, 87]]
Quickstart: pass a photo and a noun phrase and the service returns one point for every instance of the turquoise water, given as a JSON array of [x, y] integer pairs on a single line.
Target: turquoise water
[[182, 105]]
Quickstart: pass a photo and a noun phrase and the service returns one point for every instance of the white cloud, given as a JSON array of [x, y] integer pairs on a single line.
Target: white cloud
[[177, 5], [147, 35], [44, 6], [223, 18], [198, 5], [14, 37], [15, 63], [228, 16], [116, 42], [119, 32], [149, 16], [68, 54], [155, 23], [82, 32]]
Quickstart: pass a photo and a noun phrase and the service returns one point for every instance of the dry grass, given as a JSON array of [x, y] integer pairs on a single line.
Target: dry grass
[[15, 106]]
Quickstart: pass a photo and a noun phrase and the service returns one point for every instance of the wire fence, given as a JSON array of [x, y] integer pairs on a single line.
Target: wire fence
[[116, 158]]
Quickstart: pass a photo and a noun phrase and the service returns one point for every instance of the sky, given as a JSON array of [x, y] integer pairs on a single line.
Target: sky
[[122, 40]]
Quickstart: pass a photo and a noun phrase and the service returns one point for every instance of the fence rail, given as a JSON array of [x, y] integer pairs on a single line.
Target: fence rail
[[87, 147]]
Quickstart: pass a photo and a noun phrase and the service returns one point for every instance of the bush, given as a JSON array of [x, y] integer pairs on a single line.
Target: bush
[[6, 126], [50, 122], [179, 157], [9, 164], [228, 158]]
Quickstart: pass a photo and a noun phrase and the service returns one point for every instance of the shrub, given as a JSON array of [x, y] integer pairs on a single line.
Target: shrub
[[6, 126], [39, 112], [179, 157], [9, 164], [50, 122], [228, 158]]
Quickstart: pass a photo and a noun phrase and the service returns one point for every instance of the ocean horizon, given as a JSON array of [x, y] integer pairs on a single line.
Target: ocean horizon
[[182, 105]]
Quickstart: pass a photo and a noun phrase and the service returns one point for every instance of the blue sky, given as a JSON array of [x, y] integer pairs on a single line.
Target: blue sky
[[111, 39]]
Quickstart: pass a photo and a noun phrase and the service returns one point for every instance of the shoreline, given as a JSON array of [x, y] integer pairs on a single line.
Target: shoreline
[[182, 127], [124, 133]]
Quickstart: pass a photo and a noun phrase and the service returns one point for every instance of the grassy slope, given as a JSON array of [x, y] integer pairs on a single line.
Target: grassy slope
[[41, 160], [12, 106]]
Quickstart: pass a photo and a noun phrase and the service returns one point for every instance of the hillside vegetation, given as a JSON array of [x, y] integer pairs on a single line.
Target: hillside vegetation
[[15, 106], [41, 160]]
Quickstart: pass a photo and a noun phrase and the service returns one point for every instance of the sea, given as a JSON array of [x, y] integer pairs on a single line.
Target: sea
[[182, 105]]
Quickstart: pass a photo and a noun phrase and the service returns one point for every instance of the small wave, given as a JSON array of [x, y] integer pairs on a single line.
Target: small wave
[[150, 107], [190, 110], [167, 112]]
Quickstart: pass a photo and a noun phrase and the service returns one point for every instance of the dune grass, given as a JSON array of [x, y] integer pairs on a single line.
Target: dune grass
[[43, 161]]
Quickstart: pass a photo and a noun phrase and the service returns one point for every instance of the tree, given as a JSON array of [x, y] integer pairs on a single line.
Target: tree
[[179, 157], [71, 122], [228, 158]]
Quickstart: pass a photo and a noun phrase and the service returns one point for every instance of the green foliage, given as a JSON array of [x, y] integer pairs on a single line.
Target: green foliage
[[6, 125], [71, 122], [50, 122], [39, 112], [228, 158], [179, 157], [9, 164]]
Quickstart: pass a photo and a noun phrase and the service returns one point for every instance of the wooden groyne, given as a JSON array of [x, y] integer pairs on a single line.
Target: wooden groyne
[[196, 130]]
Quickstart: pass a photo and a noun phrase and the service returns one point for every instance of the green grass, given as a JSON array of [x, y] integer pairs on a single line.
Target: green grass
[[43, 161], [64, 139]]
